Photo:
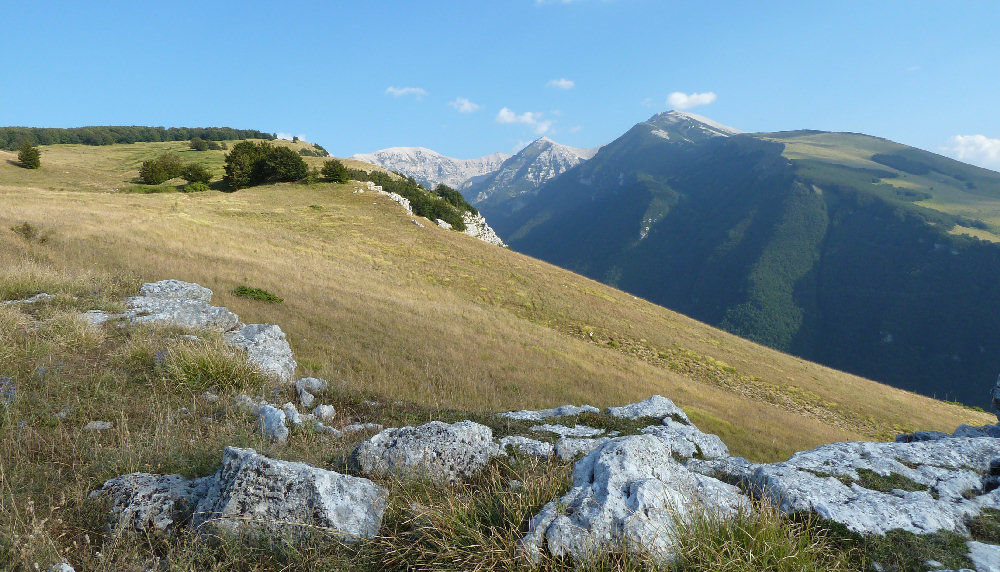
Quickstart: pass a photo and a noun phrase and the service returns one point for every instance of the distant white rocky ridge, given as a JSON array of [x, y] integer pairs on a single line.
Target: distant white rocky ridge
[[430, 168]]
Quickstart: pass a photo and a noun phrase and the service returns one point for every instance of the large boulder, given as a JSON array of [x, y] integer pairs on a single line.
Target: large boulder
[[253, 493], [631, 493], [142, 503], [175, 290], [441, 452], [266, 348], [656, 406], [190, 314], [921, 487]]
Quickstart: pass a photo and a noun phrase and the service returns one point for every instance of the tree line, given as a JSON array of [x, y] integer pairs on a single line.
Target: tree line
[[11, 138]]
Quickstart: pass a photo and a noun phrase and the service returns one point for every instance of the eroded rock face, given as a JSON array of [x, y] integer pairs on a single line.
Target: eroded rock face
[[253, 492], [475, 225], [266, 348], [688, 441], [175, 290], [568, 448], [435, 450], [142, 503], [950, 475], [628, 492], [656, 406], [191, 314], [527, 446]]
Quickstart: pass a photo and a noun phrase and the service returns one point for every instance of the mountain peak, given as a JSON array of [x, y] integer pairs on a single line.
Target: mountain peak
[[688, 126]]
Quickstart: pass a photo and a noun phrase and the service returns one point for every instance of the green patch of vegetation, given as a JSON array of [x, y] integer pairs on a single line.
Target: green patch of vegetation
[[886, 483], [335, 171], [258, 294], [898, 550], [249, 164], [12, 137], [199, 144], [30, 232], [985, 527], [195, 187], [29, 156], [148, 189]]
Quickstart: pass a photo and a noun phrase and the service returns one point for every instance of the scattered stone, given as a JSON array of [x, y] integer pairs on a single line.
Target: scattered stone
[[527, 446], [61, 567], [414, 221], [98, 426], [985, 557], [656, 406], [325, 413], [561, 411], [209, 397], [98, 317], [564, 431], [254, 493], [688, 441], [266, 348], [568, 448], [629, 492], [442, 224], [360, 427], [36, 298], [207, 419], [475, 226], [272, 423], [141, 503], [63, 413], [313, 385], [306, 399], [436, 450], [327, 430], [292, 414]]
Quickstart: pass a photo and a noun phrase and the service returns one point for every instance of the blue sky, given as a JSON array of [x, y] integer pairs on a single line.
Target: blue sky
[[467, 78]]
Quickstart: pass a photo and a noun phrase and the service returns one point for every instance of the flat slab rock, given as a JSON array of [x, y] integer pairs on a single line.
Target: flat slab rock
[[629, 491], [656, 406], [561, 411], [436, 450], [688, 441], [950, 469]]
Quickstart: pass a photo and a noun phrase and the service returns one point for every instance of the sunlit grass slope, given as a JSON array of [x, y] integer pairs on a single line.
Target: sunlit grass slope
[[432, 317]]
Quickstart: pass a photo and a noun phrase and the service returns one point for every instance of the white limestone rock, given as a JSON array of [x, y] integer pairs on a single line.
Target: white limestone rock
[[266, 348], [183, 313], [628, 492], [561, 411], [292, 414], [436, 450], [141, 503], [325, 413], [272, 423], [985, 557], [564, 431], [476, 226], [360, 427], [568, 448], [952, 469], [656, 406], [251, 492], [688, 441], [175, 290], [527, 446], [98, 426]]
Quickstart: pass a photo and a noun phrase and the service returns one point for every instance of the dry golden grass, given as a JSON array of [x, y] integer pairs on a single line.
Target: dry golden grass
[[378, 305], [431, 323]]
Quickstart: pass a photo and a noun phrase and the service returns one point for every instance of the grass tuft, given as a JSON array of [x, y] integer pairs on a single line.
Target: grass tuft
[[256, 294]]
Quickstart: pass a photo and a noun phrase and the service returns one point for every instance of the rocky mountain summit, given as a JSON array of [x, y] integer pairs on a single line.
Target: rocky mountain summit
[[429, 168]]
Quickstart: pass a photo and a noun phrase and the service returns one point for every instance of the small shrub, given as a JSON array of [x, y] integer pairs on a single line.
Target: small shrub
[[335, 171], [29, 232], [196, 173], [160, 169], [195, 187], [256, 294]]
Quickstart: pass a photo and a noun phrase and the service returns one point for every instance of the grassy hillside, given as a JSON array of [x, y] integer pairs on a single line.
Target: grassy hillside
[[431, 323]]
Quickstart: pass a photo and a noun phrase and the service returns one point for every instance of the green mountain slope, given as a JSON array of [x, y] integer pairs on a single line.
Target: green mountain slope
[[842, 248]]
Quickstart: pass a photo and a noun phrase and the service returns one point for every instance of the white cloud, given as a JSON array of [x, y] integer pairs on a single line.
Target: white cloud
[[532, 119], [975, 149], [561, 83], [679, 100], [464, 105], [417, 92], [575, 128], [289, 136]]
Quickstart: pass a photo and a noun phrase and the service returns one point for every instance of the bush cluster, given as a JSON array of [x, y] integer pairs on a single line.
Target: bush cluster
[[199, 144], [249, 164], [316, 151], [168, 166], [430, 204], [335, 171]]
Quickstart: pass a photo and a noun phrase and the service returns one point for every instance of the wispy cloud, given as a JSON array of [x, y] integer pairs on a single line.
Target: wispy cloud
[[532, 119], [561, 83], [464, 105], [975, 149], [417, 92], [575, 128], [680, 100]]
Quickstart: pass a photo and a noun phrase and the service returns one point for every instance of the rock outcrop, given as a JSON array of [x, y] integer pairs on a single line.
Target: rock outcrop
[[656, 406], [436, 450], [562, 411], [476, 226], [628, 492], [266, 348], [142, 503]]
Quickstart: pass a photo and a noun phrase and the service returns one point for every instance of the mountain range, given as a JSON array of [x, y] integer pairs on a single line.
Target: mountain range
[[430, 168]]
